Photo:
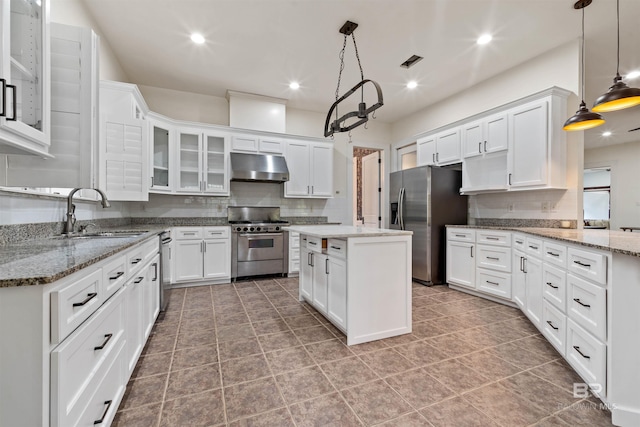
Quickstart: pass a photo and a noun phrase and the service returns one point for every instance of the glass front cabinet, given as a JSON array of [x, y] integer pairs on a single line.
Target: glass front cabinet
[[161, 161], [24, 77], [203, 159]]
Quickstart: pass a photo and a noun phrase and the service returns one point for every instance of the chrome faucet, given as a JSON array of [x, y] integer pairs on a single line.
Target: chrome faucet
[[71, 209]]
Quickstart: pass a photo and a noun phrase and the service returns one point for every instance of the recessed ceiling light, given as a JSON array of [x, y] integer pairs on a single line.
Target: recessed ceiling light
[[412, 84], [197, 38], [484, 39], [632, 75], [606, 133], [294, 85]]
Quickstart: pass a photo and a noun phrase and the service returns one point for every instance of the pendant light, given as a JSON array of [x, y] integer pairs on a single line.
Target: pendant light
[[583, 119], [619, 96]]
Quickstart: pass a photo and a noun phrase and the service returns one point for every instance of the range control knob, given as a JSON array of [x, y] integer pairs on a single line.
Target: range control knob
[[258, 228], [245, 229], [238, 228], [277, 228]]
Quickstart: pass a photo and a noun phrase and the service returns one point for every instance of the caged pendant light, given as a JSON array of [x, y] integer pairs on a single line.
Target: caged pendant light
[[583, 118], [619, 96]]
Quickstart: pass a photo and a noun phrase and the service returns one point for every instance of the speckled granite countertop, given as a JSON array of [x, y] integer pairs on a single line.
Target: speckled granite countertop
[[622, 242], [42, 261], [344, 231]]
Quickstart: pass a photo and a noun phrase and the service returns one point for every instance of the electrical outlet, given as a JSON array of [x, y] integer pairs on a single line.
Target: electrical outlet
[[545, 207], [511, 207], [553, 207]]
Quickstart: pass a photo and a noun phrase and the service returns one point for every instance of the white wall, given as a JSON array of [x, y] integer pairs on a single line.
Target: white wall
[[188, 106], [625, 185], [73, 12]]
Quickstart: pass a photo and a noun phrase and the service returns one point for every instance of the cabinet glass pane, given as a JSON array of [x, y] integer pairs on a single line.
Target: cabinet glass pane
[[160, 157], [215, 181], [189, 142], [26, 62], [189, 180], [215, 144], [188, 161]]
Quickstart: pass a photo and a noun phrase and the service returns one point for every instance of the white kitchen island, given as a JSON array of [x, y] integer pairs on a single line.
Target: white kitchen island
[[358, 278]]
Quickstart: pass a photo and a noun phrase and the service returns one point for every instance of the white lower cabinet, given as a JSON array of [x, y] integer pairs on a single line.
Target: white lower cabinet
[[588, 356], [202, 253], [533, 290], [518, 279], [306, 271], [294, 253], [337, 291], [554, 326], [319, 267], [461, 265]]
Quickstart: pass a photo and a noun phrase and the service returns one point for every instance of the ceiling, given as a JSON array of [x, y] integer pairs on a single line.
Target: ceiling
[[259, 46]]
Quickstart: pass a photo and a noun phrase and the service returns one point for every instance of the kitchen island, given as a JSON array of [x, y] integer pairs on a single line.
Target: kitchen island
[[358, 278]]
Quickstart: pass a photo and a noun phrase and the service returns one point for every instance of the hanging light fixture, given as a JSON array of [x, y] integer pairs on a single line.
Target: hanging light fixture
[[619, 96], [583, 119], [362, 113]]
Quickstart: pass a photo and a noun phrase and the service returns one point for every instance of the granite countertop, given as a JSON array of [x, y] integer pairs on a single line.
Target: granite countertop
[[344, 231], [42, 261], [621, 242]]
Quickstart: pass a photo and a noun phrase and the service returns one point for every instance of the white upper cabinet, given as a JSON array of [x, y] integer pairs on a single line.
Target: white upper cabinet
[[215, 163], [161, 144], [24, 77], [440, 149], [257, 144], [202, 161], [74, 122], [310, 169], [487, 135], [537, 143]]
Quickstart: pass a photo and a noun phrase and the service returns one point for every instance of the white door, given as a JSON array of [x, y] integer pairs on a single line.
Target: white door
[[322, 170], [298, 154], [518, 279], [371, 190], [306, 273], [528, 145], [461, 266], [448, 147], [533, 270], [217, 264], [337, 291], [427, 151], [319, 265], [188, 260]]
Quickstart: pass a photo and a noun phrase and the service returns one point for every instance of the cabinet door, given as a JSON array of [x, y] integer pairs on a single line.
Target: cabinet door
[[320, 267], [298, 155], [337, 291], [306, 274], [322, 170], [244, 143], [217, 261], [427, 151], [533, 270], [135, 318], [123, 159], [188, 260], [216, 180], [151, 295], [24, 64], [448, 147], [461, 265], [160, 148], [528, 145], [189, 161], [473, 139], [518, 279], [496, 135]]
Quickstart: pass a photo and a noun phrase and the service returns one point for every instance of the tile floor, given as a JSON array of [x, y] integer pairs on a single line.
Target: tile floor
[[249, 354]]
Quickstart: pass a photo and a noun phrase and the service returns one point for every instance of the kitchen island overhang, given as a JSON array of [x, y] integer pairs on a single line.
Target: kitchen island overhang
[[358, 278]]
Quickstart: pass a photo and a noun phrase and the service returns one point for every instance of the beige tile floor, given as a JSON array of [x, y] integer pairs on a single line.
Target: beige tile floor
[[249, 354]]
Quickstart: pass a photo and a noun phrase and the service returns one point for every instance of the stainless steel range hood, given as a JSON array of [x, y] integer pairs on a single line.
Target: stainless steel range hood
[[258, 168]]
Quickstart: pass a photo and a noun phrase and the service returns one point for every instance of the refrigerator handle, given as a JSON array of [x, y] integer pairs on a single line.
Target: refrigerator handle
[[401, 208], [397, 219]]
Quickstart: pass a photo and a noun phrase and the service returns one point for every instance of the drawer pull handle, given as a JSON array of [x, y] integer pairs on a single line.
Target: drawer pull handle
[[552, 254], [555, 328], [337, 248], [581, 303], [189, 234], [582, 264], [535, 248], [108, 403], [493, 258], [551, 285], [576, 348], [460, 235], [104, 343], [89, 297], [492, 238], [492, 283], [136, 260], [216, 232], [118, 274], [138, 280]]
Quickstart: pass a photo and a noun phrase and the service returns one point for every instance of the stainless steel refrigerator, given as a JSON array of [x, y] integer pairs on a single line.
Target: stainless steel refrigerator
[[424, 200]]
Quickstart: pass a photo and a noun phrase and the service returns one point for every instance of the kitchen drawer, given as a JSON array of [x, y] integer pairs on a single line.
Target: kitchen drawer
[[461, 234], [554, 327], [75, 362], [588, 264], [518, 242], [188, 233], [491, 237], [494, 283], [533, 247], [337, 248], [294, 239], [555, 254], [216, 232], [135, 260], [114, 275], [74, 303], [587, 355], [554, 286], [494, 258], [150, 249], [587, 306], [314, 243]]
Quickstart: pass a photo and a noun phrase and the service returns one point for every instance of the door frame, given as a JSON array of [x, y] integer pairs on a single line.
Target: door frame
[[384, 178]]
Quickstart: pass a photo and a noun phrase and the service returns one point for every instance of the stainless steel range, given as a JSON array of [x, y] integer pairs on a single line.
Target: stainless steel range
[[258, 244]]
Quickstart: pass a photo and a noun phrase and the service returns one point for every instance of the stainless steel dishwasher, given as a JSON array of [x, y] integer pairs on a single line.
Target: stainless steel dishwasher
[[165, 270]]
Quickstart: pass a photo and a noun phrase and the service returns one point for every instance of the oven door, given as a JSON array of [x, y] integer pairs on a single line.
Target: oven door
[[260, 246]]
